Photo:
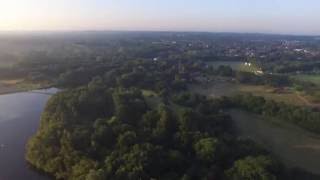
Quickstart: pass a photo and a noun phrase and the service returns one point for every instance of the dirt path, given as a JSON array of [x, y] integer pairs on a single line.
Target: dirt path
[[307, 102]]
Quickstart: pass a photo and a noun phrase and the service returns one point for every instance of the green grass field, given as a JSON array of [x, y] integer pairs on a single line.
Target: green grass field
[[292, 145], [219, 89], [289, 97]]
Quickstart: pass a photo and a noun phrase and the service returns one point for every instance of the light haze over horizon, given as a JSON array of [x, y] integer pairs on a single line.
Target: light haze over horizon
[[252, 16]]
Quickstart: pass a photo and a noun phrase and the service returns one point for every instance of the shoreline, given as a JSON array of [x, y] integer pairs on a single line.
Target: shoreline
[[21, 112], [12, 89]]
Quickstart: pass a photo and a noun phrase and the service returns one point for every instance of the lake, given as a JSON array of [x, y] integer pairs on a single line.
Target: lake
[[294, 146], [19, 120]]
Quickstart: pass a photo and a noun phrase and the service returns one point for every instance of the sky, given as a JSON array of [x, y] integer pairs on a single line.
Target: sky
[[258, 16]]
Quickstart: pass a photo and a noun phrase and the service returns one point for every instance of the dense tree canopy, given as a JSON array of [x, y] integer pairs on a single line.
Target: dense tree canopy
[[252, 168], [97, 133]]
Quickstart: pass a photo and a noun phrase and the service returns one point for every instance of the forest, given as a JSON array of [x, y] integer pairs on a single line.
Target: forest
[[95, 132]]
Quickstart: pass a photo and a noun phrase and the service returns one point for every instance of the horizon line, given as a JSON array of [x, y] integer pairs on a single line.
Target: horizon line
[[160, 31]]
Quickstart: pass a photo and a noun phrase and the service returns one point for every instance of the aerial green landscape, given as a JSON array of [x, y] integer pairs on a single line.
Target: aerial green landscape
[[137, 106], [159, 90]]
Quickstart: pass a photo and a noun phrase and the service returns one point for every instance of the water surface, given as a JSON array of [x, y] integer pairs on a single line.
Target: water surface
[[19, 120]]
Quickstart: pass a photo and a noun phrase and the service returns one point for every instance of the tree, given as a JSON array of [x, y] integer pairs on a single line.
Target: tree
[[96, 175], [166, 124], [206, 149], [225, 71], [103, 134], [252, 168], [82, 168], [127, 139]]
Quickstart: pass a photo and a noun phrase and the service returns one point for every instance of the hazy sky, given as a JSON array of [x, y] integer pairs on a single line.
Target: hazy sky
[[268, 16]]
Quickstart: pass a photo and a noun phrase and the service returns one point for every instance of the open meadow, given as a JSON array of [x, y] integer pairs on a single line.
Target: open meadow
[[219, 89]]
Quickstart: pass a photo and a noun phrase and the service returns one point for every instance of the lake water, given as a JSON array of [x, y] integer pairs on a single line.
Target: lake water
[[19, 119], [294, 146]]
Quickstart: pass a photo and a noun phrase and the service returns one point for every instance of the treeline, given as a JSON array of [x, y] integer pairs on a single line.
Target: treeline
[[95, 132], [160, 77]]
